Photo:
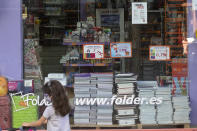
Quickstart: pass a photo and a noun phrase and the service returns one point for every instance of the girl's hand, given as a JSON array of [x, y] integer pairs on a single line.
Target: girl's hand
[[25, 124]]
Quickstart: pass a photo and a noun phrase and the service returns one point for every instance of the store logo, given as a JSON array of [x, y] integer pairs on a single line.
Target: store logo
[[22, 102]]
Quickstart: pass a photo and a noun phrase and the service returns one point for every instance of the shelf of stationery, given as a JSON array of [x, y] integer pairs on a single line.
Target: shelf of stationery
[[86, 65], [175, 19], [54, 26], [71, 11], [53, 3], [101, 126], [82, 43], [175, 33], [151, 32]]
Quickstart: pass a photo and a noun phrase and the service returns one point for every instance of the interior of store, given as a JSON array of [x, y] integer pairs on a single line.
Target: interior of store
[[60, 37]]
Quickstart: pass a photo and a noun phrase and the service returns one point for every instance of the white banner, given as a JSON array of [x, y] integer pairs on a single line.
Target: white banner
[[139, 13]]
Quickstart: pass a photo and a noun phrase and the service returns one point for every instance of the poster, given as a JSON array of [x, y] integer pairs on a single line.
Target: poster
[[159, 53], [93, 51], [194, 5], [139, 13], [119, 50]]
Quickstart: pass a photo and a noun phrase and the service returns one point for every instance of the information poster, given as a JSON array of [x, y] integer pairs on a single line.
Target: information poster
[[93, 51], [194, 5], [159, 53], [120, 50], [139, 13]]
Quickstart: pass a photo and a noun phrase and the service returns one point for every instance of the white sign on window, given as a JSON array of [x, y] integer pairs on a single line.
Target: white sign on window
[[194, 4], [159, 53], [139, 13]]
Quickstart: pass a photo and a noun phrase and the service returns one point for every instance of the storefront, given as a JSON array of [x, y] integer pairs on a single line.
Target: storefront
[[121, 50]]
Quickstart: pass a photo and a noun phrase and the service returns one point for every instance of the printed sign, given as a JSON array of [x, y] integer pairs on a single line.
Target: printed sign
[[91, 51], [119, 50], [180, 86], [139, 13], [194, 5], [159, 53]]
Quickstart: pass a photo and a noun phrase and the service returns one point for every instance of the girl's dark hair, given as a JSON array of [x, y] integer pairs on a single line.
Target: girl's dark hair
[[58, 96]]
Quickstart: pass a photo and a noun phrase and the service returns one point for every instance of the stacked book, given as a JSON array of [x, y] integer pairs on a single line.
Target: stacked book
[[82, 88], [61, 77], [104, 83], [126, 111], [147, 109], [181, 109], [164, 106]]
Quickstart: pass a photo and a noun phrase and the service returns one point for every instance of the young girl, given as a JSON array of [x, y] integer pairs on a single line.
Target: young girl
[[57, 115]]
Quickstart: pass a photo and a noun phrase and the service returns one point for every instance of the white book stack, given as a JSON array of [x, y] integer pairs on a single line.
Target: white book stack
[[165, 109], [82, 89], [81, 115], [126, 86], [61, 77], [104, 83], [181, 109], [104, 114], [147, 109]]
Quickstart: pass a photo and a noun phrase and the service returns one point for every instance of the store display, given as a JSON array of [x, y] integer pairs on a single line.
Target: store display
[[147, 110], [5, 112], [61, 43], [104, 83], [93, 85], [61, 77], [175, 23], [126, 112], [24, 86], [21, 112], [15, 86], [180, 82], [82, 87], [181, 109], [165, 109], [3, 86], [87, 32]]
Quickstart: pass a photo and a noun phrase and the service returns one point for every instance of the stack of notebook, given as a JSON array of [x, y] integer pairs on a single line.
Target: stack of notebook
[[126, 88], [147, 109], [104, 83], [82, 88], [181, 109], [164, 109], [82, 114], [61, 77]]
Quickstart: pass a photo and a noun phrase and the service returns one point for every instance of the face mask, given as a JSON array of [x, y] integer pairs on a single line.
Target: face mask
[[47, 98]]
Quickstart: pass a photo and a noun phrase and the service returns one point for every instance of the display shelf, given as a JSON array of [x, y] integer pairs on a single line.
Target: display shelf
[[145, 40], [55, 38], [82, 43], [53, 26], [151, 32], [174, 33], [175, 19], [101, 126], [185, 125], [71, 11], [71, 25], [81, 65], [53, 3], [54, 15], [176, 12], [175, 5], [176, 46]]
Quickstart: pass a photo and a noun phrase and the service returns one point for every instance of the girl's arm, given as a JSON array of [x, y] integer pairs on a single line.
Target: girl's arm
[[36, 123]]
